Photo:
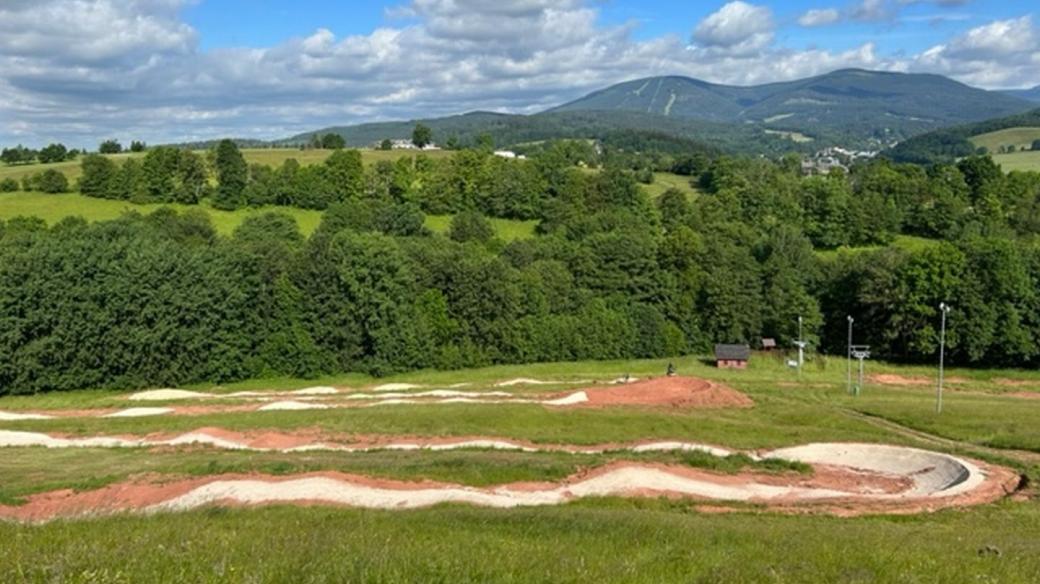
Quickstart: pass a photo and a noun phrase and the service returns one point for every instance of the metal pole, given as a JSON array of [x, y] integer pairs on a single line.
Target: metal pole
[[801, 349], [944, 309], [848, 377], [859, 387]]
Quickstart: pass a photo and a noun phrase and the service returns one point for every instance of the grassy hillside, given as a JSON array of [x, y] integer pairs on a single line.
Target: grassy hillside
[[905, 242], [1019, 161], [950, 144], [505, 229], [666, 180], [1020, 137], [268, 156], [54, 208]]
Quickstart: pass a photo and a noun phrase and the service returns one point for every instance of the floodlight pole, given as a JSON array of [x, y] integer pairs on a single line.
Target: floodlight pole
[[848, 355], [944, 309]]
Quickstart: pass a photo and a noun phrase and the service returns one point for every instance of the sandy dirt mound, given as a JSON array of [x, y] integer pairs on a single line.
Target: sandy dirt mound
[[678, 392], [895, 483]]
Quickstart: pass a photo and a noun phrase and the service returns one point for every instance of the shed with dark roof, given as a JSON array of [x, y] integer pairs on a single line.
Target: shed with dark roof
[[732, 356]]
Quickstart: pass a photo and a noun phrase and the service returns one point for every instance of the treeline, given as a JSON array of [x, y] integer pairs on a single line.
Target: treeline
[[164, 300], [50, 153]]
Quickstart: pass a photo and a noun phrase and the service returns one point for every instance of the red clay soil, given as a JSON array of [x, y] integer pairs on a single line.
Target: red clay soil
[[1017, 383], [676, 392], [1023, 394], [147, 491], [913, 380]]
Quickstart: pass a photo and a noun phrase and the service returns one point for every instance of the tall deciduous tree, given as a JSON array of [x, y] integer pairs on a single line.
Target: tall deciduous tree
[[232, 176], [422, 136]]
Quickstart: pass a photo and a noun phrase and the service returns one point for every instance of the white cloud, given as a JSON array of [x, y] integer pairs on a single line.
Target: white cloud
[[132, 68], [737, 26], [872, 11], [1003, 53], [819, 17]]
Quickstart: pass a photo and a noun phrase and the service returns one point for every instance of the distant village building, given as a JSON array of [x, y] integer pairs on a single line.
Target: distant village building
[[408, 145], [732, 356], [834, 158], [509, 154]]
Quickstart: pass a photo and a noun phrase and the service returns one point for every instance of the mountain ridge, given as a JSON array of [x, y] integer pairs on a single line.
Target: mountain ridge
[[847, 107]]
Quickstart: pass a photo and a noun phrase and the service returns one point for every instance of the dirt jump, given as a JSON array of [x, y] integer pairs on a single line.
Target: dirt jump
[[672, 392]]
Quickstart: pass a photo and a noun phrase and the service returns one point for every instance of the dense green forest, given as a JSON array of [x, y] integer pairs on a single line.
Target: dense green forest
[[163, 299]]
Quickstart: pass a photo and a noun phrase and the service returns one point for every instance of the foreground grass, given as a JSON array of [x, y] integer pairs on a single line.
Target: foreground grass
[[596, 540], [607, 540]]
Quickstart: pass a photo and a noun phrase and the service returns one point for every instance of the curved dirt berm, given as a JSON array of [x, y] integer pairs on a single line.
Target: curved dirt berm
[[848, 479], [936, 480], [677, 392]]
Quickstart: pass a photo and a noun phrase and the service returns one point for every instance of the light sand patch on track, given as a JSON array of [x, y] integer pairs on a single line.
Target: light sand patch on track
[[320, 390], [526, 381], [291, 406], [139, 412], [441, 393], [17, 416], [578, 397], [396, 387], [308, 441], [903, 486], [167, 395]]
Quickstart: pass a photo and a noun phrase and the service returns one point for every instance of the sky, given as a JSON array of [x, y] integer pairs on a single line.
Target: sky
[[80, 71]]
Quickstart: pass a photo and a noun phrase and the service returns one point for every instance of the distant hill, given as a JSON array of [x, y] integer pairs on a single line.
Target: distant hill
[[509, 130], [951, 143], [850, 107], [1030, 94], [847, 105]]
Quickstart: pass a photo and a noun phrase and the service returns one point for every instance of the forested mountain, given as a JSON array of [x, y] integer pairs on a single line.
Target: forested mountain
[[949, 144], [1030, 94], [851, 102], [852, 108]]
